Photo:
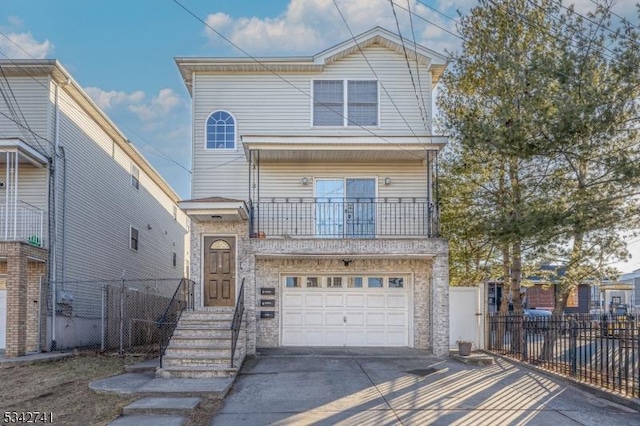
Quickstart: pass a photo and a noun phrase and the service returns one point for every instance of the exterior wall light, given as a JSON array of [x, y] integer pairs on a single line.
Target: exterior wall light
[[387, 181], [305, 181]]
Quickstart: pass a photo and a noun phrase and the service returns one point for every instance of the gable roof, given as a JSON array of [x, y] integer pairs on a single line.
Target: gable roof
[[434, 61]]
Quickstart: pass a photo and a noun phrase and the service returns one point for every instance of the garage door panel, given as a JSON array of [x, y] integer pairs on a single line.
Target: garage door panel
[[313, 318], [333, 338], [346, 316], [334, 318], [375, 319], [375, 338], [397, 301], [375, 300], [292, 318], [314, 338], [355, 319], [292, 300], [314, 300], [293, 338], [355, 301], [396, 319], [397, 338], [334, 301], [355, 338]]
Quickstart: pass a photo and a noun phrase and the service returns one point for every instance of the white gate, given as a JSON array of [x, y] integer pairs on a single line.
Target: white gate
[[467, 309]]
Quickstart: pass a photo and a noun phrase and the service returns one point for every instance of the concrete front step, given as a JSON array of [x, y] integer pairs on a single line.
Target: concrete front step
[[149, 420], [200, 360], [196, 371], [195, 351], [200, 315], [162, 406], [200, 341]]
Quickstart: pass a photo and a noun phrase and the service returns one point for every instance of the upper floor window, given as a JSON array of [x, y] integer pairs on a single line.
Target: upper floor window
[[345, 103], [135, 177], [221, 131], [133, 238]]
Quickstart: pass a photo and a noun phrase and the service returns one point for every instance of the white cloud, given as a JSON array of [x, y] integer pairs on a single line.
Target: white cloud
[[308, 26], [159, 106], [24, 46], [108, 99], [162, 105]]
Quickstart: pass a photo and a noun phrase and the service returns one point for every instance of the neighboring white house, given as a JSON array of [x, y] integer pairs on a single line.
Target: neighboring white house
[[313, 183], [77, 200]]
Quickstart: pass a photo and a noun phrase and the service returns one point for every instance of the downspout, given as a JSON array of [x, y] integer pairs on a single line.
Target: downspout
[[64, 214], [53, 221]]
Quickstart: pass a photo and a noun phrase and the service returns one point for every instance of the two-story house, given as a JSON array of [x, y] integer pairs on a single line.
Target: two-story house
[[314, 197], [77, 202]]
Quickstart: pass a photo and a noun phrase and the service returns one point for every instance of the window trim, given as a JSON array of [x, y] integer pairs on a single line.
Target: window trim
[[235, 132], [345, 103], [137, 240], [135, 177]]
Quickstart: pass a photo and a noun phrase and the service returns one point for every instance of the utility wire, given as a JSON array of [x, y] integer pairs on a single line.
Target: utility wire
[[406, 57], [436, 10], [280, 77], [415, 49], [373, 70], [426, 20]]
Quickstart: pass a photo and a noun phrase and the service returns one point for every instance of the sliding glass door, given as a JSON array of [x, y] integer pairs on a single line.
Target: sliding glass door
[[345, 208]]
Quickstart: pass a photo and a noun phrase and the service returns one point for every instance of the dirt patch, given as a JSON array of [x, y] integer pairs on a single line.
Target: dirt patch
[[201, 416], [62, 388]]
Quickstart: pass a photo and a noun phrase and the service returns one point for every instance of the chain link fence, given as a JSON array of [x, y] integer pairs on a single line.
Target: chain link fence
[[106, 316]]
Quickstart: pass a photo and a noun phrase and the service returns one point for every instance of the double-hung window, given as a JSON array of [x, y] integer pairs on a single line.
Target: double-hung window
[[345, 103]]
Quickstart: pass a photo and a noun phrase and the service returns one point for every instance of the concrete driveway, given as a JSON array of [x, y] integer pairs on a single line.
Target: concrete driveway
[[403, 386]]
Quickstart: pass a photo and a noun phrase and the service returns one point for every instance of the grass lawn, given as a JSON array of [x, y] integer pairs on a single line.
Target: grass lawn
[[62, 388]]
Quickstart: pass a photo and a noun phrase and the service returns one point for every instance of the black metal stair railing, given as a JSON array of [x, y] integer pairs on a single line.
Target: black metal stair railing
[[237, 321], [182, 299]]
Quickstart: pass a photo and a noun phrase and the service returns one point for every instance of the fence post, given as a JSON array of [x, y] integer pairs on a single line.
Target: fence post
[[102, 318], [122, 318], [573, 347]]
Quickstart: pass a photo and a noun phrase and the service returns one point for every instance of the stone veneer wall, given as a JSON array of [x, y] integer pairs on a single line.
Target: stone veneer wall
[[257, 265], [245, 266], [25, 266], [268, 272]]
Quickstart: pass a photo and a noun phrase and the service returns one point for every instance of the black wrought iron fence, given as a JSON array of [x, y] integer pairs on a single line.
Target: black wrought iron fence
[[182, 299], [600, 350], [344, 218], [237, 321]]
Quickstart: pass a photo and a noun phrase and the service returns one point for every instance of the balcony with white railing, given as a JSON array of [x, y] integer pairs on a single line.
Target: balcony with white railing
[[21, 221]]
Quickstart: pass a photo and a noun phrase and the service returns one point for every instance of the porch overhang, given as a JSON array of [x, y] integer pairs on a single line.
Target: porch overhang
[[26, 154], [215, 209], [343, 148]]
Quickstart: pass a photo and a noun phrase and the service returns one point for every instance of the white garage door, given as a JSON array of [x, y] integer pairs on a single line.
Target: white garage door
[[346, 310], [3, 318]]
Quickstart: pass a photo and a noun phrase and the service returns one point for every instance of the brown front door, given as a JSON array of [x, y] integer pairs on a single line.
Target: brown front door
[[219, 271]]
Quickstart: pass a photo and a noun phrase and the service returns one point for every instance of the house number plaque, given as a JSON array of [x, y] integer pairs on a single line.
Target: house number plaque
[[268, 290]]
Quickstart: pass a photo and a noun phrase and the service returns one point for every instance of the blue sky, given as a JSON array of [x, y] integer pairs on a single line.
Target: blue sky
[[122, 52]]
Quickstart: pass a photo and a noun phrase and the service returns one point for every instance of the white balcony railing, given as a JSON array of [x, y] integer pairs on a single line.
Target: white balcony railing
[[22, 222]]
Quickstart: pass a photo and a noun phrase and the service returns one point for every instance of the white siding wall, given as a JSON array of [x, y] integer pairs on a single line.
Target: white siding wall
[[31, 96], [264, 104], [101, 205], [284, 179]]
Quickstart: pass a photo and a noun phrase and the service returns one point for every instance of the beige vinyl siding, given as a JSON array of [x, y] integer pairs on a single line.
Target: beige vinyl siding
[[101, 205], [293, 208], [33, 102], [265, 104], [284, 179]]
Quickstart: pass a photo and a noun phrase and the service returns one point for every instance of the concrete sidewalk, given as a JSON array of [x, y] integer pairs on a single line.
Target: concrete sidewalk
[[350, 386]]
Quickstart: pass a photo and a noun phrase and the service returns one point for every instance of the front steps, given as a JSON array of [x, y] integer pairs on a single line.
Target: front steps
[[201, 346]]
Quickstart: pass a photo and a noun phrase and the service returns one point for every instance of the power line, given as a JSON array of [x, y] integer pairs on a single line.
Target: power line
[[158, 151], [437, 11], [415, 48], [372, 70], [268, 69], [423, 113], [426, 20]]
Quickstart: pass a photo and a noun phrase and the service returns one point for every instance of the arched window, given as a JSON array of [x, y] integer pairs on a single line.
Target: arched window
[[221, 131]]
